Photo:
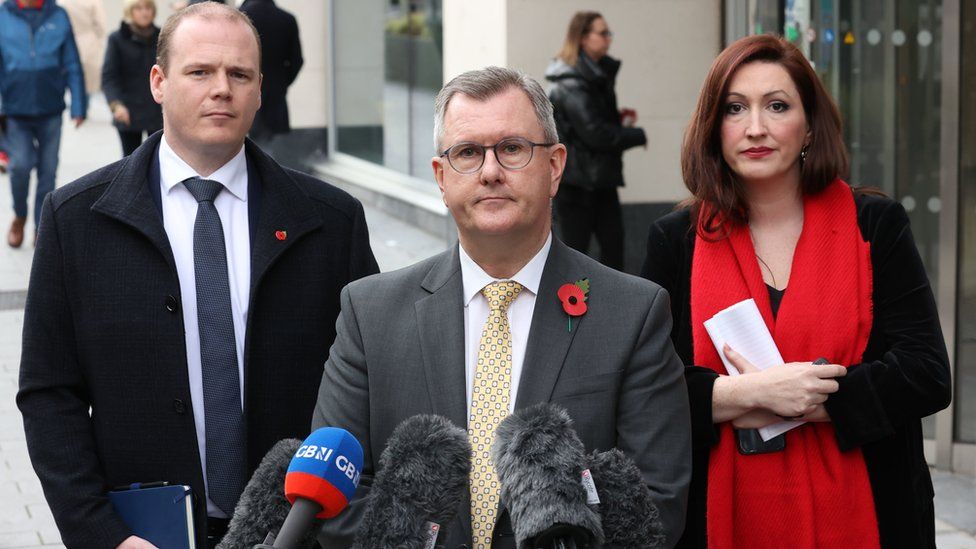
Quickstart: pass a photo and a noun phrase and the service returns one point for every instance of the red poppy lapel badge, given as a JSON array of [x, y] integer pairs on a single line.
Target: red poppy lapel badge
[[281, 235], [573, 297]]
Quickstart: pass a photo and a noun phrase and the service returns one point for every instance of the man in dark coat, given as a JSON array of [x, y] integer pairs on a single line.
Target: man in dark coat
[[183, 300], [280, 62]]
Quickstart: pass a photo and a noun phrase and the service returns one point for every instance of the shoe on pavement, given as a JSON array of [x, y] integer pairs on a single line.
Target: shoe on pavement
[[4, 162], [16, 235]]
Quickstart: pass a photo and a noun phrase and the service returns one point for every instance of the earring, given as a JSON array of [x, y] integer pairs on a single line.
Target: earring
[[803, 154]]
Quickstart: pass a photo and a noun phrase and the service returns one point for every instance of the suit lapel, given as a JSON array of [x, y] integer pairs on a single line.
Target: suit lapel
[[286, 215], [128, 198], [440, 321], [549, 337]]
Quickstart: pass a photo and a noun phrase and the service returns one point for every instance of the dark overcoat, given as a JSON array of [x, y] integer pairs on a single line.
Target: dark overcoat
[[125, 77], [104, 388]]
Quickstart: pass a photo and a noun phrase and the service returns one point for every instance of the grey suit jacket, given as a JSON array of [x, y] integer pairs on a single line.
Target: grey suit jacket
[[399, 351]]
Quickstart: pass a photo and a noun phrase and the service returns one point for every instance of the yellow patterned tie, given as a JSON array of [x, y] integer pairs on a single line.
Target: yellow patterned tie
[[489, 405]]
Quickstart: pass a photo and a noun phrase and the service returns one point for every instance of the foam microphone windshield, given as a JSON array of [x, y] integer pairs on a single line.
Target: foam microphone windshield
[[419, 485], [263, 506], [539, 460], [630, 518]]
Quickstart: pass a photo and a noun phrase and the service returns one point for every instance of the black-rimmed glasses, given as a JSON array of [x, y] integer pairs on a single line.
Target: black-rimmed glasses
[[513, 153]]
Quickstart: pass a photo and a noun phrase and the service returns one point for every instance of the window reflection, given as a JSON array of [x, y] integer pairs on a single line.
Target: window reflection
[[388, 71]]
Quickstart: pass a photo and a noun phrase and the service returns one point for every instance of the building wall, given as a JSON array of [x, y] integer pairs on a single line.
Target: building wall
[[309, 97], [666, 47]]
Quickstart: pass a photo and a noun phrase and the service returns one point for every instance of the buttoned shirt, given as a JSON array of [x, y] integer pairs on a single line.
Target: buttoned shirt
[[179, 215], [476, 310]]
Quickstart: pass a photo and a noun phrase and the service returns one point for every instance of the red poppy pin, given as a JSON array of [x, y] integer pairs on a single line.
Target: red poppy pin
[[573, 297], [281, 235]]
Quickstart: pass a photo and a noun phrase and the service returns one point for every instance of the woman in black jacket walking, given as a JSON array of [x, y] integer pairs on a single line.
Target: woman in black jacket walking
[[596, 134], [130, 55]]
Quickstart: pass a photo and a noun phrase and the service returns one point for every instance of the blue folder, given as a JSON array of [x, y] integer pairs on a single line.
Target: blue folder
[[162, 515]]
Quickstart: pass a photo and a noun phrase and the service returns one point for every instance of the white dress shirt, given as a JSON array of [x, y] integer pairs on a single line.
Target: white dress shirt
[[179, 215], [476, 310]]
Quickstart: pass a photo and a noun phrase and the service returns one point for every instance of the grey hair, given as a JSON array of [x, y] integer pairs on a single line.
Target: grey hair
[[482, 85]]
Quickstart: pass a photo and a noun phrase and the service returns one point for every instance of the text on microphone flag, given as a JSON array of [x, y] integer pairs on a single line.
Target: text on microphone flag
[[326, 468]]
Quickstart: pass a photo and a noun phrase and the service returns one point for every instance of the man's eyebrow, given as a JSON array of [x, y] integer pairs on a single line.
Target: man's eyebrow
[[230, 68], [194, 65], [239, 68]]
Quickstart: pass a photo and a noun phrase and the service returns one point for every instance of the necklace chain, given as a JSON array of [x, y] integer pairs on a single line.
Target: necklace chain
[[752, 237], [770, 271]]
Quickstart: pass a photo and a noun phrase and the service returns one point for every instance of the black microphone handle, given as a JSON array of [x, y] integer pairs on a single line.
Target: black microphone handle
[[561, 536], [297, 523]]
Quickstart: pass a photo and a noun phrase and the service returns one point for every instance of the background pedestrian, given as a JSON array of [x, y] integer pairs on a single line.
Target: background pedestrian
[[88, 23], [130, 55], [596, 134], [37, 68]]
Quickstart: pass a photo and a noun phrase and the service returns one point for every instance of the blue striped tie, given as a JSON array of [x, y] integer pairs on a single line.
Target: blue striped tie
[[218, 351]]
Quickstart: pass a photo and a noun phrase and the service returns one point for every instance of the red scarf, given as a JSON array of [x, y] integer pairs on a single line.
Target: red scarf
[[810, 495]]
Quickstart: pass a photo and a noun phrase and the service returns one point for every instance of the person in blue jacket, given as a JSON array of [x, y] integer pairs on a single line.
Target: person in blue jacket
[[38, 60]]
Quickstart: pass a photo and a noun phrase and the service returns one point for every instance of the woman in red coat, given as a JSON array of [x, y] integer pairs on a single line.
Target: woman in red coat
[[836, 276]]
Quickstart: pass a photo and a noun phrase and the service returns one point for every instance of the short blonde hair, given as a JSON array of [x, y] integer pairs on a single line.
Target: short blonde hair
[[129, 5], [204, 10]]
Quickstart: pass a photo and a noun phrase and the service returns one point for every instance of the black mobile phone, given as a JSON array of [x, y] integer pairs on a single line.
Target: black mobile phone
[[751, 442]]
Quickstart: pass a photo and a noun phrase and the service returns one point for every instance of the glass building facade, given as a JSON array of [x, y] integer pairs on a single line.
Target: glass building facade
[[388, 69]]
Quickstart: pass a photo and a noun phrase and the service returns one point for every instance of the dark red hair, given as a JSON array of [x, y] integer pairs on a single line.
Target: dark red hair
[[716, 195]]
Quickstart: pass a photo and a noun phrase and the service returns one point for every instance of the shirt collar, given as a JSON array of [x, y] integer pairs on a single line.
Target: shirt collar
[[173, 171], [474, 278]]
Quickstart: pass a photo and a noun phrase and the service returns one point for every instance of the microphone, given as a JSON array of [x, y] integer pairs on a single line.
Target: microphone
[[627, 512], [539, 460], [321, 478], [320, 482], [420, 483], [263, 506]]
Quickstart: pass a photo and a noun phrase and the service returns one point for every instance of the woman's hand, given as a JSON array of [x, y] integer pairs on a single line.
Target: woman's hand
[[818, 414], [791, 390]]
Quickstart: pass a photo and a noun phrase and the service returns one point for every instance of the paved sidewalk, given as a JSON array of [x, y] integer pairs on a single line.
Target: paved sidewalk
[[26, 522]]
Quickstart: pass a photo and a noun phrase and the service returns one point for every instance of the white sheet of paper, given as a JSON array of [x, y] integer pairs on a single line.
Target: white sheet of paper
[[742, 327]]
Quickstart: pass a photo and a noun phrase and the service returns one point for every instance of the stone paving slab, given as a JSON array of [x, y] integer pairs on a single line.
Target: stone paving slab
[[83, 149]]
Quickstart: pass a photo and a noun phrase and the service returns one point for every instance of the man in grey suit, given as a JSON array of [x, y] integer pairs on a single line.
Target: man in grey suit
[[414, 341]]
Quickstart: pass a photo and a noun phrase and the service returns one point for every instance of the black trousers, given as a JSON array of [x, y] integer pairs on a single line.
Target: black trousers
[[131, 139], [582, 213], [216, 530]]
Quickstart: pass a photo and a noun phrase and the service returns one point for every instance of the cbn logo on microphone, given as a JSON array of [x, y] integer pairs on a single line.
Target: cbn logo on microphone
[[324, 454], [326, 469]]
